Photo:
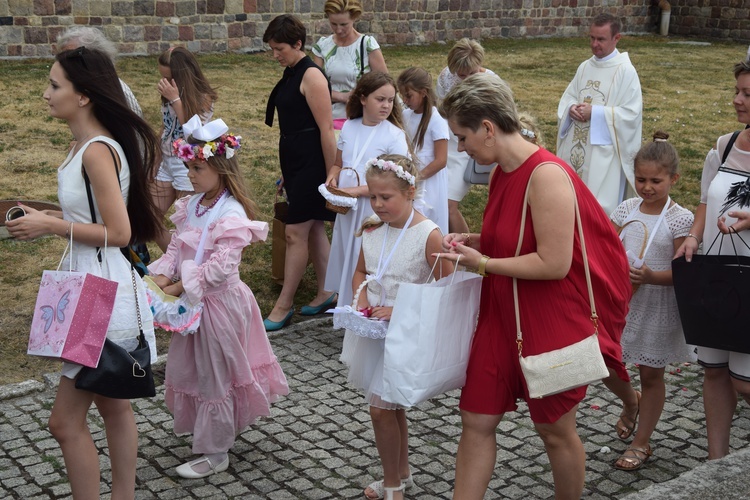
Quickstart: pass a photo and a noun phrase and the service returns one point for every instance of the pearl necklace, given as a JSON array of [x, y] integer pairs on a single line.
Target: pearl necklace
[[199, 213]]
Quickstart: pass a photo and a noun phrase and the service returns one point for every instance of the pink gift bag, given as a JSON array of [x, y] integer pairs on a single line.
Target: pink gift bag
[[71, 316]]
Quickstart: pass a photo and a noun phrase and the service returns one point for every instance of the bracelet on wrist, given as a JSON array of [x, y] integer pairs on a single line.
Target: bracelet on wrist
[[175, 100], [482, 267], [67, 231], [691, 235]]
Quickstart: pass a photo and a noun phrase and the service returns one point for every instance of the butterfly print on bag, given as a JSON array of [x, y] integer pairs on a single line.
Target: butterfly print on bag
[[49, 315]]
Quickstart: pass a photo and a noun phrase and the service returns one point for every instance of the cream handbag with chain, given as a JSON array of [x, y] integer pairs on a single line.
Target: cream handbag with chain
[[573, 366]]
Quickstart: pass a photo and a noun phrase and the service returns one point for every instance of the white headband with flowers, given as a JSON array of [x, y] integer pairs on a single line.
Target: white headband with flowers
[[393, 167], [217, 141]]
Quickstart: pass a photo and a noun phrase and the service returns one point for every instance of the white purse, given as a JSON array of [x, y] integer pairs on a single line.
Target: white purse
[[476, 173], [573, 366]]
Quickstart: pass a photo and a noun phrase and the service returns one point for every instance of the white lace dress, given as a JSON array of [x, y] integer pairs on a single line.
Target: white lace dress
[[653, 331], [364, 356]]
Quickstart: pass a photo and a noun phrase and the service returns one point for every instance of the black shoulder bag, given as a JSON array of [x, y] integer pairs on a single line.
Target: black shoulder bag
[[119, 374]]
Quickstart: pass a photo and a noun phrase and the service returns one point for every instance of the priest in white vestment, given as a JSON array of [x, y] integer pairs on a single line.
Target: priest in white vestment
[[600, 115]]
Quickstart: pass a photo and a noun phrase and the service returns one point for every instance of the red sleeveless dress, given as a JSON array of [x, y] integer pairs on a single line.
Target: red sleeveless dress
[[554, 313]]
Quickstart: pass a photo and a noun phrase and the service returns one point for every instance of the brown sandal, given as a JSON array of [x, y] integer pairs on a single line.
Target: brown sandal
[[633, 458], [626, 424]]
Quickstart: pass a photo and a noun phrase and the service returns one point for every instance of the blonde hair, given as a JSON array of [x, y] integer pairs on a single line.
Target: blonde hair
[[742, 67], [352, 7], [196, 93], [229, 173], [403, 185], [482, 97], [528, 122], [419, 80], [465, 56]]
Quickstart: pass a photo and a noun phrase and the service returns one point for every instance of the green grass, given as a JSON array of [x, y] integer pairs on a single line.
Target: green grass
[[687, 91]]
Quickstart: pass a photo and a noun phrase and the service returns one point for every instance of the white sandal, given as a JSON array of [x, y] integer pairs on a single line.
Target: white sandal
[[379, 489], [390, 491]]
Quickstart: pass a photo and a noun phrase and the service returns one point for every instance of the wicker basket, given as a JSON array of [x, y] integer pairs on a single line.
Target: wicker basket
[[337, 192], [643, 244], [337, 208]]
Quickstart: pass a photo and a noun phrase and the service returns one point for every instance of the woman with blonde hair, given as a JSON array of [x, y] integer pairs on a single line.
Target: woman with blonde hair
[[722, 209], [548, 266], [345, 55]]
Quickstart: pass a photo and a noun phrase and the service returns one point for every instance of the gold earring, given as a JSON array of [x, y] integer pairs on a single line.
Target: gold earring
[[492, 145]]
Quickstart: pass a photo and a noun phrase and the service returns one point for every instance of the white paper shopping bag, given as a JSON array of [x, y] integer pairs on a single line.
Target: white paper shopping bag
[[429, 338]]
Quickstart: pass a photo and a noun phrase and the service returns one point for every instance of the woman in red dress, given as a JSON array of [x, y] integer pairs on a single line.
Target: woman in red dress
[[553, 296]]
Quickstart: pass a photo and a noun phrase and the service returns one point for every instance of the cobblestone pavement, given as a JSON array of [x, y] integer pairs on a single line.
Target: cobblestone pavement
[[319, 443]]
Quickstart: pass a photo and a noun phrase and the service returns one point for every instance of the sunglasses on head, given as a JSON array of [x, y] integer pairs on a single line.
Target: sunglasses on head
[[78, 53]]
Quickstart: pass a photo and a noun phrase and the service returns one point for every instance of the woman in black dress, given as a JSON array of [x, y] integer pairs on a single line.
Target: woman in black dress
[[307, 149]]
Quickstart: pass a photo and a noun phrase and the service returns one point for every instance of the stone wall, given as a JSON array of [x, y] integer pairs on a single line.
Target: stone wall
[[29, 28], [724, 19]]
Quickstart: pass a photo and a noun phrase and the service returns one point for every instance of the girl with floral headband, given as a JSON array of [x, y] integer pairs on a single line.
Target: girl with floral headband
[[220, 379], [397, 247]]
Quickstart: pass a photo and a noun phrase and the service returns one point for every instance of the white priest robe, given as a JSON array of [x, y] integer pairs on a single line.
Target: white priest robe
[[602, 149]]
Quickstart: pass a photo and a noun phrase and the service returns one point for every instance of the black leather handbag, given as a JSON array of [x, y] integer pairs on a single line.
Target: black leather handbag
[[121, 374], [713, 297]]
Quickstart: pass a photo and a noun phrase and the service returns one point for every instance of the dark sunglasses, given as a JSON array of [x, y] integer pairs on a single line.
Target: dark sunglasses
[[78, 53]]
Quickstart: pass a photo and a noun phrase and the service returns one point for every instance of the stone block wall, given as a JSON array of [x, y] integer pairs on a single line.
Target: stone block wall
[[29, 28], [723, 19]]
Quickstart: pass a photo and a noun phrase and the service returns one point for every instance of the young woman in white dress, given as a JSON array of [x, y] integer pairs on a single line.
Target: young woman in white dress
[[84, 91]]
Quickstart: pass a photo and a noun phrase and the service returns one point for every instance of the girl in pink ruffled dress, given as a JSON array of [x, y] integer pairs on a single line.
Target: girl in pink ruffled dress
[[222, 378]]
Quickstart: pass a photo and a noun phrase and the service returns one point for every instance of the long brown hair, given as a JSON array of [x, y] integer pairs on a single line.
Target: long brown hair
[[368, 84], [92, 74], [196, 93], [419, 80], [229, 173]]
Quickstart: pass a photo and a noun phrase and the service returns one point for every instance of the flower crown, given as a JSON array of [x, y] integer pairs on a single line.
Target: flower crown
[[225, 145], [393, 167], [218, 142]]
